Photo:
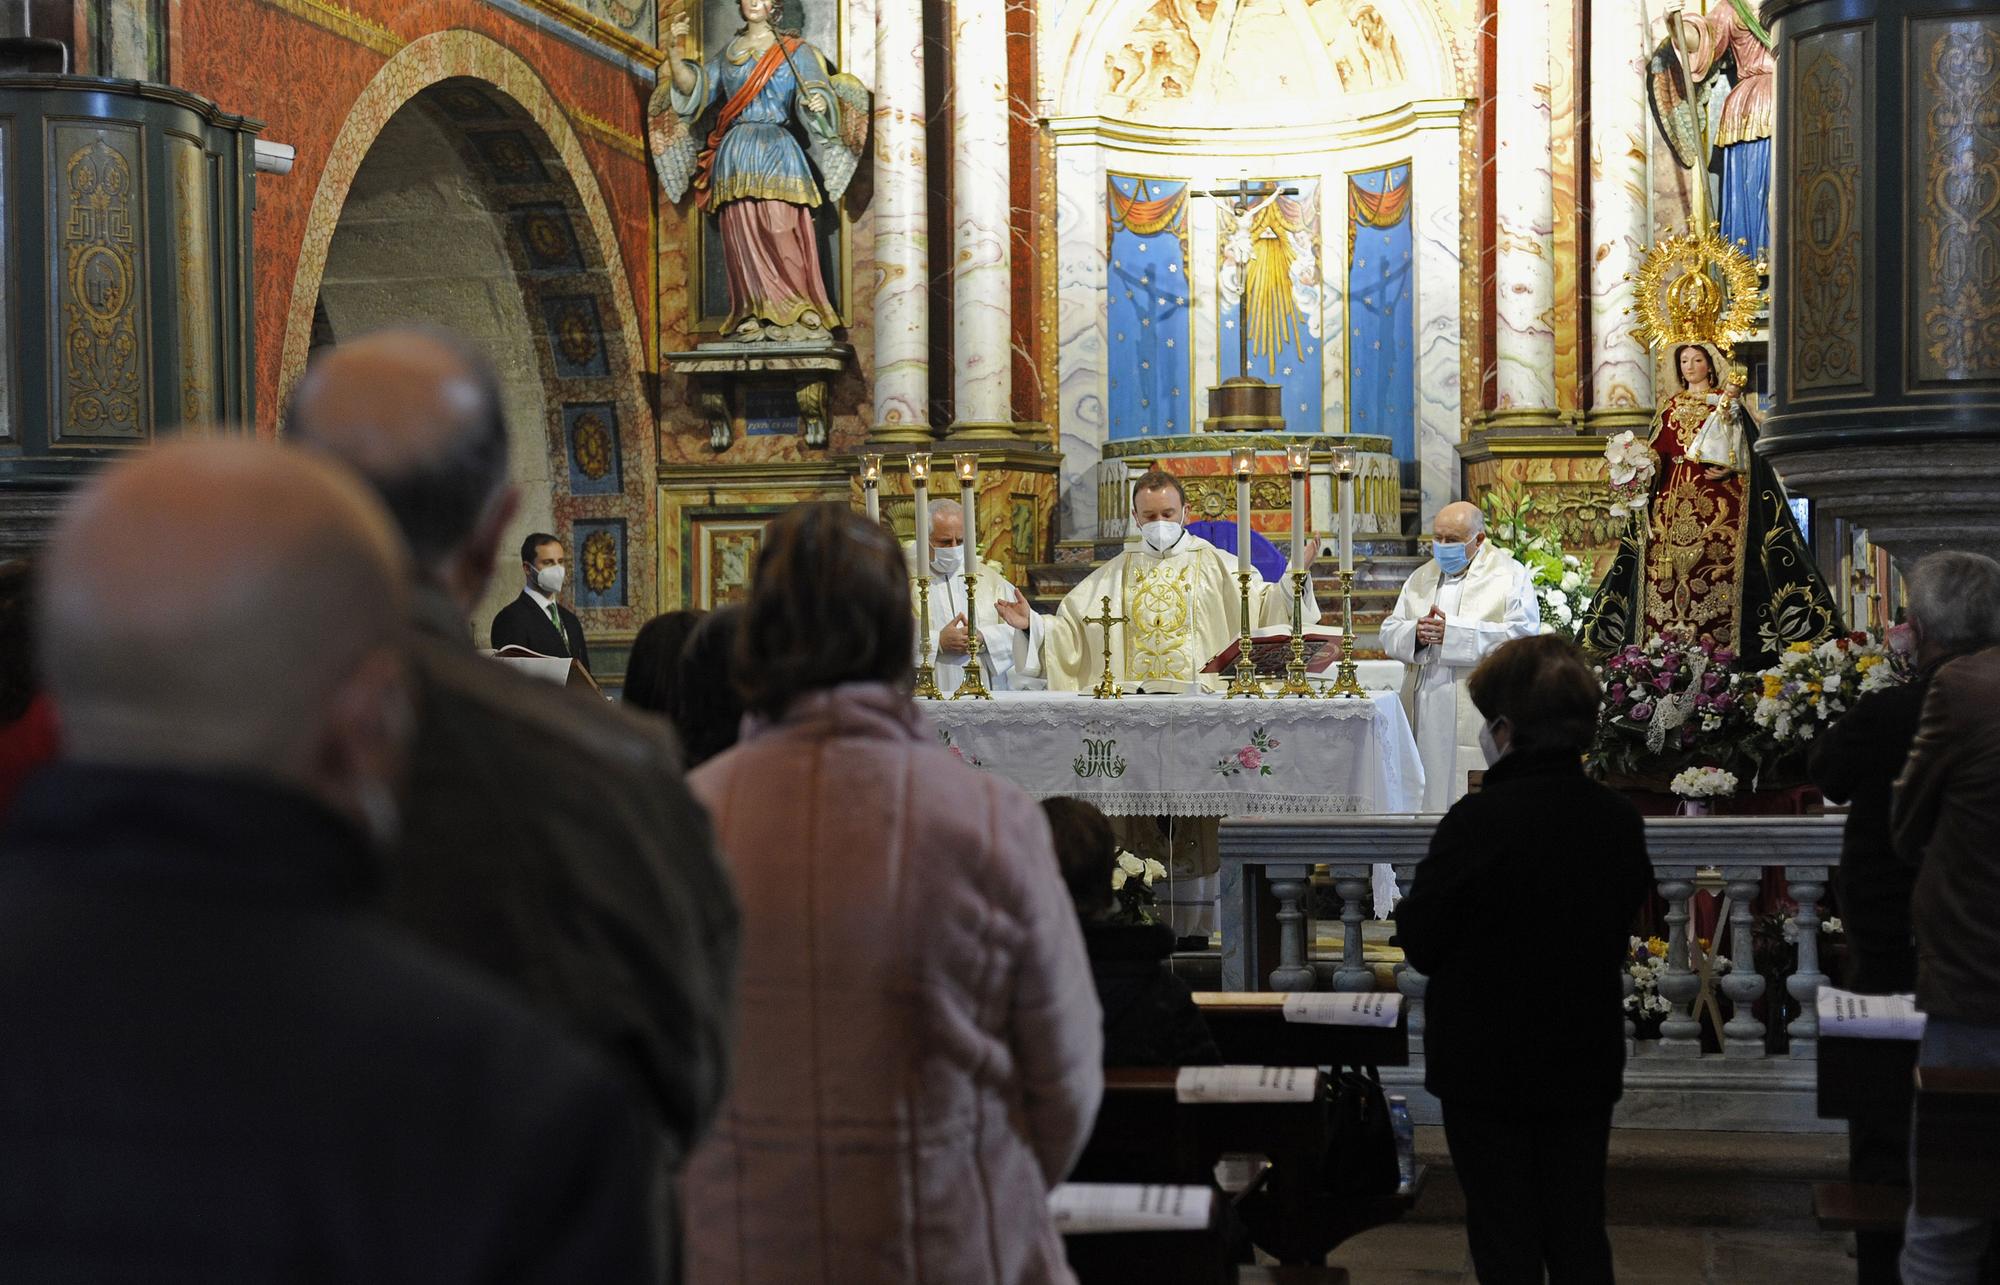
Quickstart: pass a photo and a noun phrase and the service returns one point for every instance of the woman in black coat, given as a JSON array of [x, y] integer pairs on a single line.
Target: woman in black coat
[[1520, 915]]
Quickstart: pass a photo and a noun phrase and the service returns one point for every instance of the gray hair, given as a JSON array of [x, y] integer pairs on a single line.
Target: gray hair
[[1955, 601], [946, 506]]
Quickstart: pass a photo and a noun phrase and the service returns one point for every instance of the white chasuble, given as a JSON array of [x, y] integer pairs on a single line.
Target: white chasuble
[[996, 656], [1491, 602], [1180, 609]]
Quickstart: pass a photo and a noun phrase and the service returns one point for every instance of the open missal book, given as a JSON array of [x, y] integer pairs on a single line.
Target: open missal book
[[561, 670], [1271, 651]]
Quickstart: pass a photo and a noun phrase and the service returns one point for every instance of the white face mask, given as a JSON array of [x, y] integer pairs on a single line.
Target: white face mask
[[1161, 536], [549, 580], [1488, 746], [948, 562]]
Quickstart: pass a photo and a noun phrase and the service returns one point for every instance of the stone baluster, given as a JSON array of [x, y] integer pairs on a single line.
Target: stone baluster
[[1410, 983], [1680, 1034], [1806, 885], [1352, 883], [1743, 1035], [1290, 885]]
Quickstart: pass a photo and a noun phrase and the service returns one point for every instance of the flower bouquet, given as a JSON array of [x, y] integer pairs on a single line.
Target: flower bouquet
[[1810, 686], [1562, 585], [1645, 1005], [1132, 881], [1669, 703], [1631, 465], [1698, 785]]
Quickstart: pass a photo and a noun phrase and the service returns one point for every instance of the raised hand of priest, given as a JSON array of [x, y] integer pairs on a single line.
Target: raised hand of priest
[[1014, 611], [952, 636]]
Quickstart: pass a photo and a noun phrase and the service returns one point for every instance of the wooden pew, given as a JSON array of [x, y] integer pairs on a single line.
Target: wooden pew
[[1857, 1078], [1250, 1028], [1958, 1135], [1145, 1134]]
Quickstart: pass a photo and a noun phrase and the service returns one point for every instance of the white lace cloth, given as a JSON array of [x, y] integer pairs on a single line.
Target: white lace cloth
[[1193, 756]]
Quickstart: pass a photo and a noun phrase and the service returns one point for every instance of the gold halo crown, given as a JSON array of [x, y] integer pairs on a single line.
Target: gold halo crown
[[1696, 288]]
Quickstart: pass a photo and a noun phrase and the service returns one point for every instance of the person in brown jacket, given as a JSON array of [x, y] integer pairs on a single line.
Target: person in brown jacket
[[917, 1063], [548, 840], [1947, 813]]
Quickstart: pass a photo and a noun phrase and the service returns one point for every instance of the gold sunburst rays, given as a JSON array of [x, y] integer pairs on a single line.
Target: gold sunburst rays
[[1696, 288]]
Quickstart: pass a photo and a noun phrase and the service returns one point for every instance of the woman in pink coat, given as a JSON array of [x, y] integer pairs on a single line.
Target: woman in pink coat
[[918, 1034]]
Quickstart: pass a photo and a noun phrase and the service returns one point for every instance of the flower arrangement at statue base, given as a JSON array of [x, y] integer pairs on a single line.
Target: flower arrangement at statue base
[[1670, 704], [1132, 881], [1699, 787], [1811, 686], [1562, 582]]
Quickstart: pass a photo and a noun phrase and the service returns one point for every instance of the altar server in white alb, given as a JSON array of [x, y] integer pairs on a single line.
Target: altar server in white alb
[[1471, 597], [949, 629], [1178, 595]]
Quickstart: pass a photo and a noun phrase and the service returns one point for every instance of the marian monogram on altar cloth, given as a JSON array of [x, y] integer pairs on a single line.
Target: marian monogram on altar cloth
[[1160, 622]]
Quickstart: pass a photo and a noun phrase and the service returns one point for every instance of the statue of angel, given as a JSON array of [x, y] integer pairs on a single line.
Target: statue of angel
[[763, 91]]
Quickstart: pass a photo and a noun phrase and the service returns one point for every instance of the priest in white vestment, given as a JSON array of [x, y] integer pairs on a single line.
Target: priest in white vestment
[[1177, 592], [1454, 610], [949, 627]]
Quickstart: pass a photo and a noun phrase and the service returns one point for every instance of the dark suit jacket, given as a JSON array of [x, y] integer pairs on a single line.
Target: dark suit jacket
[[1856, 762], [221, 1064], [1542, 863], [551, 842], [523, 624], [1947, 815], [1150, 1018]]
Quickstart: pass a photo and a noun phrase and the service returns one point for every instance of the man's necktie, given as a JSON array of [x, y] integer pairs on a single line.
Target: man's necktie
[[555, 618]]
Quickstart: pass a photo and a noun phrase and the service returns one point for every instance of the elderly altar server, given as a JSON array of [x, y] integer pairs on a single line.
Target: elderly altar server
[[949, 630], [1177, 593], [1455, 609]]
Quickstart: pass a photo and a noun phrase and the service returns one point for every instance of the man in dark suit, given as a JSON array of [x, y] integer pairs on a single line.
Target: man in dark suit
[[597, 894], [222, 1063], [536, 620], [1947, 810]]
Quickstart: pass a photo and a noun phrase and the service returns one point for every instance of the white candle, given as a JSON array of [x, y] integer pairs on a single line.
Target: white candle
[[920, 488], [1243, 522], [1347, 521], [872, 501], [967, 502], [1298, 521]]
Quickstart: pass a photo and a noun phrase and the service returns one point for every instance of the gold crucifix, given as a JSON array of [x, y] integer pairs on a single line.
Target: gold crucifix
[[1107, 688]]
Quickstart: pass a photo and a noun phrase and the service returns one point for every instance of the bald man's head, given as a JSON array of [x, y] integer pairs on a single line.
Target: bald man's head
[[1458, 522], [228, 605], [417, 414]]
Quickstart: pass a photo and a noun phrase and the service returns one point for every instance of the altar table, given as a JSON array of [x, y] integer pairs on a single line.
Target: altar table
[[1193, 756]]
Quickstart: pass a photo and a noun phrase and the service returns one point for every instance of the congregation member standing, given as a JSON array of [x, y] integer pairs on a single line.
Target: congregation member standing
[[537, 619], [1527, 1089], [221, 1063], [1471, 597], [653, 671], [549, 841], [917, 1062], [1947, 812], [950, 631]]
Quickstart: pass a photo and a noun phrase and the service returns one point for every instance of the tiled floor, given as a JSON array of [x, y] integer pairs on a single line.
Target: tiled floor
[[1425, 1253]]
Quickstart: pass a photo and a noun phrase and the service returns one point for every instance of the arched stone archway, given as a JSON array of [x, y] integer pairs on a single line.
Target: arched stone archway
[[457, 194]]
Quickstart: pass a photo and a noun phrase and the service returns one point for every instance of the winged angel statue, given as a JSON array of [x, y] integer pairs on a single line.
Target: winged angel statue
[[759, 95]]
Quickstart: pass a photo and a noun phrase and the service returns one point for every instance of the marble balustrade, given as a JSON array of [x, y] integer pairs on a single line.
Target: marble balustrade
[[1268, 864]]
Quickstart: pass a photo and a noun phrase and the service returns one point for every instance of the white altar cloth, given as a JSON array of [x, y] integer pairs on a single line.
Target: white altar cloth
[[1193, 756]]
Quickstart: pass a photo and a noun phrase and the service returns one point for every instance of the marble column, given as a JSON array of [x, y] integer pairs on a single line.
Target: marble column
[[1525, 204], [1621, 367], [902, 233], [982, 336]]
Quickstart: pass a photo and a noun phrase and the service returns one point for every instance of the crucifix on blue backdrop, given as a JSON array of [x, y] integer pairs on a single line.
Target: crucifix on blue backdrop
[[1246, 196]]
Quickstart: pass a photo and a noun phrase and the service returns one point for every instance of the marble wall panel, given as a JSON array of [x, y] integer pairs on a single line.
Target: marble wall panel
[[1525, 211], [902, 234], [981, 235], [1620, 368], [1440, 409], [1082, 268]]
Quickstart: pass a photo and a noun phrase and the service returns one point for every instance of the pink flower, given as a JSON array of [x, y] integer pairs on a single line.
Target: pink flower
[[1249, 757], [956, 752], [1617, 693], [1642, 711]]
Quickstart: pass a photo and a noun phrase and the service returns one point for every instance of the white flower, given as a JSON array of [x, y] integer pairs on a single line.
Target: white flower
[[1130, 864], [1573, 562], [1154, 870], [1704, 783], [1564, 615], [1571, 581], [1117, 880], [1557, 598]]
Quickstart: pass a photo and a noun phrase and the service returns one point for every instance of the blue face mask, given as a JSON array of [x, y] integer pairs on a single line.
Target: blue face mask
[[1452, 558]]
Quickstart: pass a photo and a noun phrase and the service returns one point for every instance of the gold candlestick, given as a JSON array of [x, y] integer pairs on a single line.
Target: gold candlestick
[[1346, 682], [1295, 668], [1107, 688], [927, 688], [973, 684], [1245, 682]]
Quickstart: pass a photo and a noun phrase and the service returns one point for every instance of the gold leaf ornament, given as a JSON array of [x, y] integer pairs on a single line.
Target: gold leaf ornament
[[600, 561], [1696, 288]]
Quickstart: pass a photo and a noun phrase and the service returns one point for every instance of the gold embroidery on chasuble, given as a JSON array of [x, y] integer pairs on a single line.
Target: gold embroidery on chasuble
[[1160, 622]]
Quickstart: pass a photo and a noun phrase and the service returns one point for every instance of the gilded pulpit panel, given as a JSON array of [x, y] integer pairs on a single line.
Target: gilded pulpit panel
[[1955, 178], [1831, 215], [97, 278]]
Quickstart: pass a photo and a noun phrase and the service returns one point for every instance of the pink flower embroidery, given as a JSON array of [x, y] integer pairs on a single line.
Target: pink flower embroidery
[[1250, 757]]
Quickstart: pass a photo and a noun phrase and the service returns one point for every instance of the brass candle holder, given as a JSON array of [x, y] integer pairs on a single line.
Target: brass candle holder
[[920, 474], [1346, 681], [1107, 688], [973, 685], [1245, 682], [1295, 668]]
